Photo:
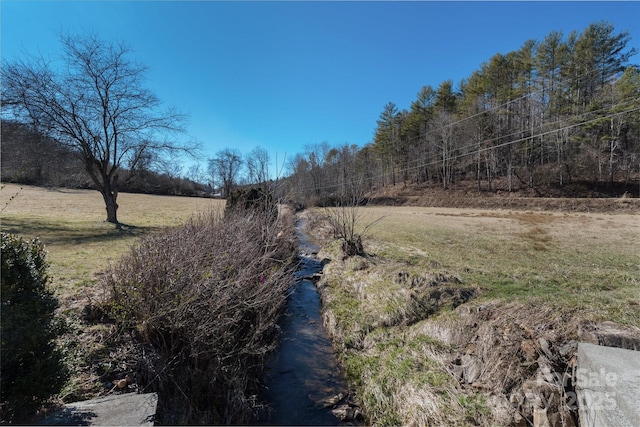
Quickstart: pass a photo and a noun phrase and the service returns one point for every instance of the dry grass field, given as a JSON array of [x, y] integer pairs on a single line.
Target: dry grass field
[[80, 244], [467, 290], [555, 264], [589, 261]]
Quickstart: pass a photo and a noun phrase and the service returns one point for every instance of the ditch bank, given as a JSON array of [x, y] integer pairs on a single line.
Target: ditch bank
[[423, 349], [494, 363]]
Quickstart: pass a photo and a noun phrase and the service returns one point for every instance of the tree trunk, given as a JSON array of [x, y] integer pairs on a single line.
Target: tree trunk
[[108, 186], [110, 197], [478, 175]]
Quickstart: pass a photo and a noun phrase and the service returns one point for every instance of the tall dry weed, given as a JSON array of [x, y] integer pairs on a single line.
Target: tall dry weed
[[203, 300]]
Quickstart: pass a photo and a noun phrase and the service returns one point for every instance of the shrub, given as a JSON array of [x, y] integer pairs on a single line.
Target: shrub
[[205, 298], [31, 365], [255, 199], [345, 218]]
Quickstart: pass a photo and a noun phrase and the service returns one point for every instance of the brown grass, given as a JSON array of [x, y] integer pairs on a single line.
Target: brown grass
[[71, 223], [548, 270], [569, 255], [204, 300]]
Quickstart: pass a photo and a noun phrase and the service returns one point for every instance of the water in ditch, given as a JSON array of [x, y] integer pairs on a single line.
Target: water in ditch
[[303, 377]]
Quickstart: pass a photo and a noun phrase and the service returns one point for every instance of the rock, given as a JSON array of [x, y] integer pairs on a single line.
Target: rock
[[348, 412], [607, 386], [545, 399], [329, 401], [540, 390], [129, 409], [471, 368], [344, 412], [544, 372], [544, 345], [610, 334], [568, 349]]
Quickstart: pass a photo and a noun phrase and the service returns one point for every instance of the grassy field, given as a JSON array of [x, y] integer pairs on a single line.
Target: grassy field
[[585, 263], [71, 223], [527, 276], [589, 261]]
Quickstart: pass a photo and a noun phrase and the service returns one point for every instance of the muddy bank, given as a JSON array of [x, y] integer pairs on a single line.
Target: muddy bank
[[611, 205], [574, 197], [492, 363]]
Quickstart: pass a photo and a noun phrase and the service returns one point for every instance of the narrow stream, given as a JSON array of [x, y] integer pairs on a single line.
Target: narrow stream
[[303, 375]]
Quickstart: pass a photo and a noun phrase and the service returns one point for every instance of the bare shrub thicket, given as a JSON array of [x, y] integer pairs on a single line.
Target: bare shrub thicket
[[345, 219], [204, 300]]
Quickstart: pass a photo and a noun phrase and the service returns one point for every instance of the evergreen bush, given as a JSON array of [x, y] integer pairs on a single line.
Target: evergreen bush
[[32, 369]]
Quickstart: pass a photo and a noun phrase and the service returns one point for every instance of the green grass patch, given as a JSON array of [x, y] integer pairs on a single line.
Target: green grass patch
[[474, 406]]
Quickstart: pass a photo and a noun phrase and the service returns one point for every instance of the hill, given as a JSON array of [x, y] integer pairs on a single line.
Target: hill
[[577, 197]]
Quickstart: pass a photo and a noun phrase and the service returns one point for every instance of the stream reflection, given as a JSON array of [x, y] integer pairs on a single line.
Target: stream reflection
[[303, 371]]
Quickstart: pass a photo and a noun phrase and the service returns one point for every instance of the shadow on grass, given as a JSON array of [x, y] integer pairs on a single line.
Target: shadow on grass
[[62, 233], [129, 229]]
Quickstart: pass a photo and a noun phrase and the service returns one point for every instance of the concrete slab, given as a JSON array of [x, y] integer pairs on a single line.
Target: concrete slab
[[607, 384], [129, 409]]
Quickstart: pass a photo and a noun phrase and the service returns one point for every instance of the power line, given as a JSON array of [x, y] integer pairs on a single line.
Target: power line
[[423, 137], [568, 83], [542, 125], [489, 148]]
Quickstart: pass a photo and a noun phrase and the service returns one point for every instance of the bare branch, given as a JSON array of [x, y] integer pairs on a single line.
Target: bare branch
[[96, 104]]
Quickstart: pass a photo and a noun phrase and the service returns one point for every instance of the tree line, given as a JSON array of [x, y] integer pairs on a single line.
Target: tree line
[[30, 157], [559, 110]]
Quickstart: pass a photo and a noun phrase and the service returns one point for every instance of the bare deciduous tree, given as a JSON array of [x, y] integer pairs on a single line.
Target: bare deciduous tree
[[257, 162], [346, 219], [93, 102], [226, 167], [196, 173]]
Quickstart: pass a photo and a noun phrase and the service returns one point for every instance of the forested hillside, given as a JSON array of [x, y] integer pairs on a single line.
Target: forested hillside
[[30, 157], [558, 110]]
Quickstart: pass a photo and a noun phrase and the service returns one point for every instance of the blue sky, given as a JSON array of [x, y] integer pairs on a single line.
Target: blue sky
[[282, 75]]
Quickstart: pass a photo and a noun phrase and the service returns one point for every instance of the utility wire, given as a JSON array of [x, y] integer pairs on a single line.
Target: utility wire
[[542, 125], [486, 148]]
